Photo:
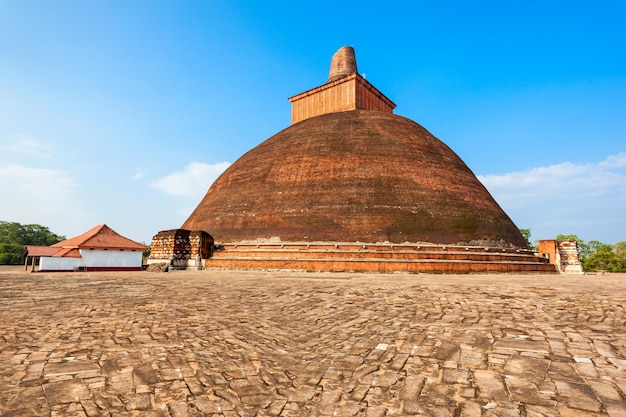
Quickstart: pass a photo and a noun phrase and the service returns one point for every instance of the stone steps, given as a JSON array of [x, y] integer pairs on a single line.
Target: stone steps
[[366, 254], [343, 257]]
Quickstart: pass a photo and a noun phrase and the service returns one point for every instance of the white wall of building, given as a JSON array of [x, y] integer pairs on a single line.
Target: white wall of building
[[101, 258], [47, 263], [111, 258]]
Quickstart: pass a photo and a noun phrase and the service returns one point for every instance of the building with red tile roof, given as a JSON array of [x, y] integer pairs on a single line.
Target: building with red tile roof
[[98, 249]]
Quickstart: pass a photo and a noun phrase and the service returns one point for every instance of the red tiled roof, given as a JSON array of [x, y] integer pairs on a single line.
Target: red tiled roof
[[52, 251], [68, 253], [32, 250], [100, 237]]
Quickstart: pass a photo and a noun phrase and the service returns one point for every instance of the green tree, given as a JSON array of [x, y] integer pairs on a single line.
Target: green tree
[[620, 250], [526, 234], [583, 248], [14, 236], [11, 254], [597, 246], [603, 257]]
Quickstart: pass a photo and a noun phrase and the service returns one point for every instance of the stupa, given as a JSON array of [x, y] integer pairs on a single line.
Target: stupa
[[349, 173]]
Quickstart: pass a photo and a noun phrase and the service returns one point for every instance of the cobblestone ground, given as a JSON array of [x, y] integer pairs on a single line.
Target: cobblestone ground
[[224, 343]]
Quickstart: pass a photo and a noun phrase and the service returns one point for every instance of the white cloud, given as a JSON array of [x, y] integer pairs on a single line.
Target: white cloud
[[42, 196], [615, 161], [26, 145], [585, 199], [193, 181], [22, 182], [138, 174]]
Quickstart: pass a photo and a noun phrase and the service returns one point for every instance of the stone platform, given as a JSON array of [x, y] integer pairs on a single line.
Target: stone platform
[[377, 257], [233, 343]]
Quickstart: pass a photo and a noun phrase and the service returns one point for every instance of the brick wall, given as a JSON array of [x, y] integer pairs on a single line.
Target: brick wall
[[563, 254], [181, 248]]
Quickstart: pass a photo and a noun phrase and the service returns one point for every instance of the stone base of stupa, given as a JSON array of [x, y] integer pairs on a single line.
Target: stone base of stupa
[[377, 257]]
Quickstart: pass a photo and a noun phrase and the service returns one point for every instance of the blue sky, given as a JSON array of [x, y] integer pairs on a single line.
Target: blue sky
[[124, 112]]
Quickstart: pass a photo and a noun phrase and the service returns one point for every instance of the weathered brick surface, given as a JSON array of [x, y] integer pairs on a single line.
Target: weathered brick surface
[[563, 254], [227, 343], [353, 176], [345, 257], [180, 248]]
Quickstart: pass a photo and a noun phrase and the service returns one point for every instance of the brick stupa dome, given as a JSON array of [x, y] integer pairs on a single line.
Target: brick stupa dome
[[349, 170]]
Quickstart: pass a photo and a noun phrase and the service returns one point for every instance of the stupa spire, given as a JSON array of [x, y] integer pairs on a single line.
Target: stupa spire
[[343, 63], [345, 90]]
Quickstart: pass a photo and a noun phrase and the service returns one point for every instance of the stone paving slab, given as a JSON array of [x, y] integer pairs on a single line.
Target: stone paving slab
[[243, 343]]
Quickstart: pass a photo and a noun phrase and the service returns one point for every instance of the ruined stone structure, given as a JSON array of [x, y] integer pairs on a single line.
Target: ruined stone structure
[[180, 248], [563, 254], [348, 171]]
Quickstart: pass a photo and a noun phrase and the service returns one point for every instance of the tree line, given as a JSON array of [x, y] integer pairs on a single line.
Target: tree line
[[15, 236], [594, 255]]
